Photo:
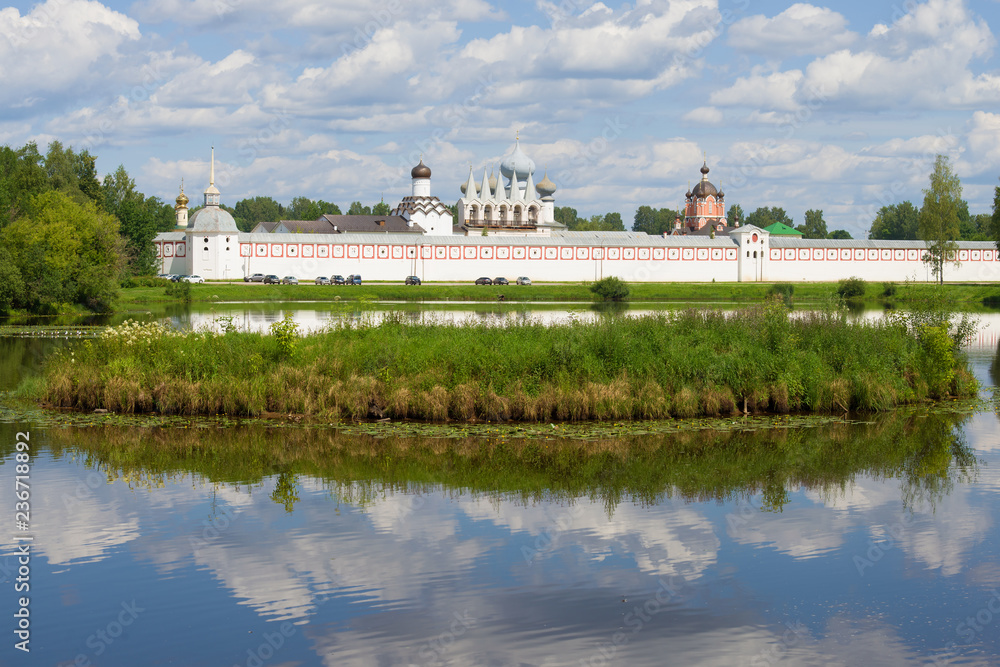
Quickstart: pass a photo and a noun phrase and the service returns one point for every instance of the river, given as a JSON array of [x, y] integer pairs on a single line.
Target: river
[[791, 541]]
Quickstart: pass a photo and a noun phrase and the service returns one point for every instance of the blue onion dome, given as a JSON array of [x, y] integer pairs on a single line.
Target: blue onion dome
[[545, 187], [421, 170], [517, 163]]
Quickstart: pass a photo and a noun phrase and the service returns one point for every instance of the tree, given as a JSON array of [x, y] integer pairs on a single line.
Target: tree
[[357, 208], [766, 216], [897, 222], [939, 216], [814, 227], [841, 234], [735, 214], [21, 178], [249, 212], [139, 219], [65, 252], [977, 228], [654, 221], [611, 289], [995, 222], [565, 215], [381, 208], [303, 208], [613, 221]]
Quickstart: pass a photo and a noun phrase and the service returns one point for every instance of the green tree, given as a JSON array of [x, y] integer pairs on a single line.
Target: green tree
[[21, 178], [566, 215], [303, 208], [65, 252], [654, 221], [613, 221], [381, 208], [976, 228], [995, 220], [898, 222], [357, 208], [939, 219], [765, 216], [327, 208], [611, 289], [815, 226], [139, 219], [840, 234], [249, 212], [734, 214]]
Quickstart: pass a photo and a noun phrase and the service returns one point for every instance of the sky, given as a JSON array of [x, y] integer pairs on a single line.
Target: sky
[[838, 107]]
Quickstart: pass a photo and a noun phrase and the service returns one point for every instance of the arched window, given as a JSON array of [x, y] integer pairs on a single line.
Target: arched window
[[488, 214], [532, 214], [518, 210]]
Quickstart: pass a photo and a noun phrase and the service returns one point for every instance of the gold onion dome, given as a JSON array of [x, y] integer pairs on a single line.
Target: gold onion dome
[[182, 199], [545, 187], [464, 188], [493, 181]]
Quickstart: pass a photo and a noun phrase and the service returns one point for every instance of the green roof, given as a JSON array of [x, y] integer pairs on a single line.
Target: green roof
[[781, 229]]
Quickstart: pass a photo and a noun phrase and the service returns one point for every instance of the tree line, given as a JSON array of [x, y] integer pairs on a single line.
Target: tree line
[[249, 212]]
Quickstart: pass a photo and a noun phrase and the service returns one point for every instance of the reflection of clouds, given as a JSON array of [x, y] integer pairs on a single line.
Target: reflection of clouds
[[669, 539]]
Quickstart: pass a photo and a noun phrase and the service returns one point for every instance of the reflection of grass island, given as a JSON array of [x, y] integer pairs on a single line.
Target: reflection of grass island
[[641, 462], [681, 365]]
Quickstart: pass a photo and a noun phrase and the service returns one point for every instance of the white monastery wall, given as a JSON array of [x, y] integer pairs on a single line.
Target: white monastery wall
[[458, 258]]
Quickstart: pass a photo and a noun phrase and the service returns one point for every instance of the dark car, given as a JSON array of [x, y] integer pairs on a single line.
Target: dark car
[[501, 281], [337, 280], [484, 281], [354, 279], [255, 278], [322, 280], [411, 280], [524, 280], [271, 279], [178, 277]]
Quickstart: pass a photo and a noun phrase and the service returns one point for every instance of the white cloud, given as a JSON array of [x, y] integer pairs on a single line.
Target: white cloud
[[58, 47], [799, 30], [705, 116], [774, 90]]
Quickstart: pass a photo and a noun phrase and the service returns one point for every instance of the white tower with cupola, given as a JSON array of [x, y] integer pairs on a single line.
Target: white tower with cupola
[[213, 238]]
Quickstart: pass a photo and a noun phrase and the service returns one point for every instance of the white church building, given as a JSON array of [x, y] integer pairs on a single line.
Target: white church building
[[509, 229]]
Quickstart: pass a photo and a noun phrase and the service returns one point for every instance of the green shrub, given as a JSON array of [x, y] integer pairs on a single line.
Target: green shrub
[[783, 289], [888, 289], [179, 290], [611, 289], [852, 288]]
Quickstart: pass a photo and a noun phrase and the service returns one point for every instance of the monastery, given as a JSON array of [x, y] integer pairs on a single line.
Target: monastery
[[509, 229]]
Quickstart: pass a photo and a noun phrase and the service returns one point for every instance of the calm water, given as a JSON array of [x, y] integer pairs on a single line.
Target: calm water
[[851, 544]]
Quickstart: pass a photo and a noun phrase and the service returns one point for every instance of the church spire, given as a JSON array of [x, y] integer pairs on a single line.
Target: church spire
[[212, 194]]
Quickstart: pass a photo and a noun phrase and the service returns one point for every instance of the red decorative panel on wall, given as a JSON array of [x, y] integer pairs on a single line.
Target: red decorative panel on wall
[[872, 254], [659, 253], [293, 250], [817, 254], [368, 252], [775, 254], [804, 253], [614, 253], [597, 253], [338, 251], [583, 253], [277, 250], [426, 252], [687, 254], [789, 253], [519, 252], [831, 254], [244, 250], [628, 253], [702, 253], [486, 252], [383, 252], [440, 252], [159, 249], [963, 255], [455, 252], [673, 253], [180, 249], [565, 253], [308, 250], [912, 255], [353, 252], [899, 255], [551, 253], [503, 252], [323, 251], [469, 252], [397, 252], [716, 254], [885, 255], [643, 253]]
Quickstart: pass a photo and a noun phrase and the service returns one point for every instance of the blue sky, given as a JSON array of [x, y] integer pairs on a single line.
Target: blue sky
[[834, 107]]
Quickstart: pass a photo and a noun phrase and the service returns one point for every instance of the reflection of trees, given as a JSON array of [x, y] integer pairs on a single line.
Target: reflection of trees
[[925, 451]]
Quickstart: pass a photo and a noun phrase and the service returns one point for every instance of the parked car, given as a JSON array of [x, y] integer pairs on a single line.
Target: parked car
[[166, 276], [501, 281], [193, 279], [524, 280], [411, 280], [178, 277], [484, 281], [255, 278], [354, 279], [337, 280], [271, 279], [289, 280], [322, 280]]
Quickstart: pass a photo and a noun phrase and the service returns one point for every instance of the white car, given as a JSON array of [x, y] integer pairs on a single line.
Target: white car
[[193, 279]]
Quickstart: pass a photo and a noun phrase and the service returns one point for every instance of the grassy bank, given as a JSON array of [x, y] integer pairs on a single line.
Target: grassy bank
[[679, 365], [803, 293]]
